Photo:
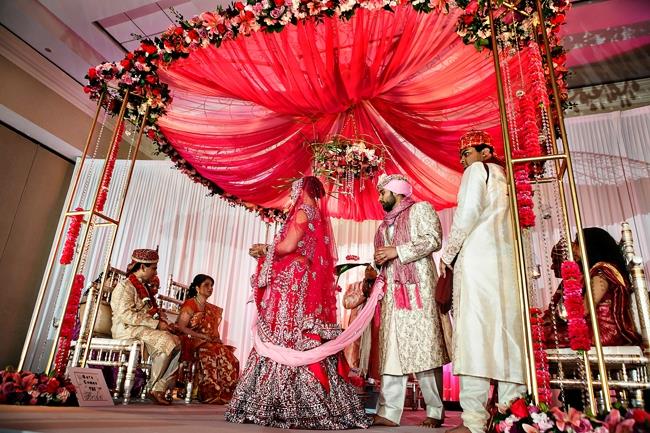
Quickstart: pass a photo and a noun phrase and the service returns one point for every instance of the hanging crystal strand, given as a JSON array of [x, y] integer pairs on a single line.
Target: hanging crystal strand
[[510, 107], [541, 198], [122, 179], [558, 221], [349, 181], [93, 159], [546, 129], [362, 184]]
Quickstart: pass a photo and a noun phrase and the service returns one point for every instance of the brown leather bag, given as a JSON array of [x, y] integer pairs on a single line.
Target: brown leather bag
[[445, 289]]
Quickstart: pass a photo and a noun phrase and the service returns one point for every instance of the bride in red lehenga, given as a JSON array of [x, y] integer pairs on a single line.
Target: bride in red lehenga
[[296, 304]]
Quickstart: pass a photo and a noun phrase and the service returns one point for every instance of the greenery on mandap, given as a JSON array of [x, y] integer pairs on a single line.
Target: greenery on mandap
[[523, 416], [27, 388]]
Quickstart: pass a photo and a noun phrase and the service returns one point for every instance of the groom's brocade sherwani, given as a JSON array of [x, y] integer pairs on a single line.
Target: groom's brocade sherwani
[[131, 321], [416, 331]]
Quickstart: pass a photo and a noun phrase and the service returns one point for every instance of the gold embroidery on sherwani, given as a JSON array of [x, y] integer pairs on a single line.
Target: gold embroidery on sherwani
[[131, 321], [418, 331]]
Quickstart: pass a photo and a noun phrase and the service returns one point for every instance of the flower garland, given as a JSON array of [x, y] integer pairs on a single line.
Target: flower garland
[[531, 102], [71, 238], [522, 416], [138, 71], [525, 201], [518, 25], [541, 359], [25, 387], [146, 295], [579, 335], [67, 324], [110, 166]]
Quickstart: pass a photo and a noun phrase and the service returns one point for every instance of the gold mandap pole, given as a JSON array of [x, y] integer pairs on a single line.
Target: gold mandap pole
[[59, 237], [89, 226], [531, 379], [125, 191], [578, 218]]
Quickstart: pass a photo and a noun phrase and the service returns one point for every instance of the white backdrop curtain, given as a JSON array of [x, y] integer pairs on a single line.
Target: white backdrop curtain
[[197, 233]]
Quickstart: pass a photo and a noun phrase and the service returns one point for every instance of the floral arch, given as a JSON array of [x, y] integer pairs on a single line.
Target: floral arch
[[255, 85]]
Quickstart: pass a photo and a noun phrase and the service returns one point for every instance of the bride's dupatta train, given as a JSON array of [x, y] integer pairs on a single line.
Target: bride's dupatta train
[[295, 295]]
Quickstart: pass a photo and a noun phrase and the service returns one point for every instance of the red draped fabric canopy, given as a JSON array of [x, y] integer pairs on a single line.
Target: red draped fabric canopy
[[243, 114]]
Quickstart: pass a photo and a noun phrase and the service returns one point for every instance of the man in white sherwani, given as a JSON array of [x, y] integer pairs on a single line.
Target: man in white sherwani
[[135, 317], [488, 342], [411, 337]]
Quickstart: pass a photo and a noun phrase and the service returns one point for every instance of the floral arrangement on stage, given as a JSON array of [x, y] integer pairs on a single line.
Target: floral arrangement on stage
[[579, 335], [342, 161], [522, 416], [27, 388], [138, 71]]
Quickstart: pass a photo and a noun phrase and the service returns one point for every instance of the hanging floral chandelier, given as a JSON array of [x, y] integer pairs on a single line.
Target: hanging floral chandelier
[[342, 161]]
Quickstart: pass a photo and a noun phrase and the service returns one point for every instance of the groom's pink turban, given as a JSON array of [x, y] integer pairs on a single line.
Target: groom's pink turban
[[395, 183]]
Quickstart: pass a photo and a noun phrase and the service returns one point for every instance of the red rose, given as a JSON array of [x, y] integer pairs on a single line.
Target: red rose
[[52, 385], [640, 416], [193, 34], [239, 6], [126, 63], [148, 48], [467, 19], [141, 59], [558, 19], [150, 79], [519, 408], [178, 30], [130, 56], [249, 15], [92, 73], [472, 7], [87, 89], [221, 28], [151, 133]]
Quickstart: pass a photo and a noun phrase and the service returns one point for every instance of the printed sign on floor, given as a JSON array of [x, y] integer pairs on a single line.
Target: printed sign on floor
[[91, 387]]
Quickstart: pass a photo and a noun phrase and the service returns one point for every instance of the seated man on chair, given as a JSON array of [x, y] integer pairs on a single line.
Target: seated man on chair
[[136, 316]]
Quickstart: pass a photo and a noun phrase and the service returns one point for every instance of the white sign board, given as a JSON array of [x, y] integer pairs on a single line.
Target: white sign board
[[91, 386]]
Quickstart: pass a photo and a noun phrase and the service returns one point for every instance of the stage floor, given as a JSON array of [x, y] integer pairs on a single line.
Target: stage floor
[[144, 418]]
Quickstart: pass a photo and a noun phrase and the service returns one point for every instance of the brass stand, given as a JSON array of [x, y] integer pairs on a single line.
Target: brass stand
[[92, 219], [563, 165]]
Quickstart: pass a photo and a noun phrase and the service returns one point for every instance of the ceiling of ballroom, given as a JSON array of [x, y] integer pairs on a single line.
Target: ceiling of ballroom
[[608, 40]]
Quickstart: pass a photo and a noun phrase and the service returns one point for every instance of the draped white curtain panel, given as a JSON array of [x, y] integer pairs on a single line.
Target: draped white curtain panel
[[197, 233]]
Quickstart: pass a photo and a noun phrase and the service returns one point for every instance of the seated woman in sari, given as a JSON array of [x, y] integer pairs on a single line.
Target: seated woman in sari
[[198, 322], [611, 290], [295, 296]]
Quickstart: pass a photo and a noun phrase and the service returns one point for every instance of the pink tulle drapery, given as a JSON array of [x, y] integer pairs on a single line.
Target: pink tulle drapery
[[243, 113]]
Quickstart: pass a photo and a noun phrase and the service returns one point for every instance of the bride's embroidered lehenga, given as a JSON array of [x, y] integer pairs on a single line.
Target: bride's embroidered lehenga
[[296, 306]]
